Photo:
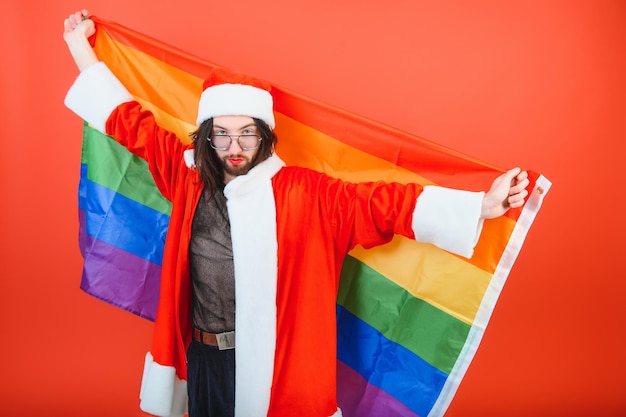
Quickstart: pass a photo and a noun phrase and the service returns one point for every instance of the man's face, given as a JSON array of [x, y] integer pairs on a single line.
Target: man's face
[[235, 160]]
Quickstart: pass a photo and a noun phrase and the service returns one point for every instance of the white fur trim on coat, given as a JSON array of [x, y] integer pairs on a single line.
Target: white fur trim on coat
[[449, 219], [96, 92], [162, 392], [251, 209]]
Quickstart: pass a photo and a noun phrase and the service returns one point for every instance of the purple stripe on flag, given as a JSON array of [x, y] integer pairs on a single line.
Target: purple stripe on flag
[[356, 397], [119, 277]]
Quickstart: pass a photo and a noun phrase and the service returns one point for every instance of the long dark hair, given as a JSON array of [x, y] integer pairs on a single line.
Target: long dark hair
[[210, 165]]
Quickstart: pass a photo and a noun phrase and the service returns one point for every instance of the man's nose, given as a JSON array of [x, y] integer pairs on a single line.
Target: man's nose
[[234, 146]]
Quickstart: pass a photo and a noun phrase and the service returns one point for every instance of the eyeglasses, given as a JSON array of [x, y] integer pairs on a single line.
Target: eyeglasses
[[246, 142]]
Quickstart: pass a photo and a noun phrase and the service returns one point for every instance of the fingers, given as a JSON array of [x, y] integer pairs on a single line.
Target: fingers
[[75, 18], [77, 26], [517, 200], [519, 186], [522, 176], [511, 174], [518, 191], [507, 191], [519, 183]]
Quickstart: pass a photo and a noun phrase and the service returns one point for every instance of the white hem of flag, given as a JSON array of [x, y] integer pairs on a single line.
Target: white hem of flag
[[483, 315]]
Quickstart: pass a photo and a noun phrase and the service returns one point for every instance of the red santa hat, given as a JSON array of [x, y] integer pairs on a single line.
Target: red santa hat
[[229, 93]]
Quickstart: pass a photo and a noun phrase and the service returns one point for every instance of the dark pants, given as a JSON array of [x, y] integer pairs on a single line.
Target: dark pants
[[210, 381]]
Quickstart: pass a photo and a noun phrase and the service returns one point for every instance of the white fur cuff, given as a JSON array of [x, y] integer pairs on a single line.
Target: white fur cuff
[[449, 219], [96, 92], [162, 392]]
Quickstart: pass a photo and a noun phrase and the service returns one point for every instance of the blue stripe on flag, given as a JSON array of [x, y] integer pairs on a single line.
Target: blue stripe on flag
[[386, 364], [121, 221]]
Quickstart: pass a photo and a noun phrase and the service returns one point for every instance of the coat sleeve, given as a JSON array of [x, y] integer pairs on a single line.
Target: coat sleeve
[[99, 98], [137, 130], [371, 213]]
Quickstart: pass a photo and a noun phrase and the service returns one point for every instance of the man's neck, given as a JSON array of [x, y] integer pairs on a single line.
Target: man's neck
[[228, 178]]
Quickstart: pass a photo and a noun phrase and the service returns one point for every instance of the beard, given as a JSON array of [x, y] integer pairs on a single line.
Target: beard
[[236, 170]]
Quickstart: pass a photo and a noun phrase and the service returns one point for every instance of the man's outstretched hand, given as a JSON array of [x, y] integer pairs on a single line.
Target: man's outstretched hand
[[506, 192]]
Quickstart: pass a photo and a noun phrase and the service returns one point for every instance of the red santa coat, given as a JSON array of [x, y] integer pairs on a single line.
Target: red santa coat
[[291, 229]]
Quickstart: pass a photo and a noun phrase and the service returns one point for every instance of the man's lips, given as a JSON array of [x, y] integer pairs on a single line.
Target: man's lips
[[236, 161]]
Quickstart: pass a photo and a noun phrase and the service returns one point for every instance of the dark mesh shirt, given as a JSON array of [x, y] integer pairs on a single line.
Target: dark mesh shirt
[[212, 269]]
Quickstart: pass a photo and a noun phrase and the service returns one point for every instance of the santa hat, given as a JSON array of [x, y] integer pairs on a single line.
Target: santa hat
[[229, 93]]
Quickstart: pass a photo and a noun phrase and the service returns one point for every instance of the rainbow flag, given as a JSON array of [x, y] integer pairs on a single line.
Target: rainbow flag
[[410, 316]]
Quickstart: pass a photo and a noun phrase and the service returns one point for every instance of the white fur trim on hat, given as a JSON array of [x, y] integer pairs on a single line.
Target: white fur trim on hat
[[236, 100]]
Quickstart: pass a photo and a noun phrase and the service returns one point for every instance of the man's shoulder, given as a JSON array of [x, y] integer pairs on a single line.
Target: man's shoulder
[[292, 179], [293, 173]]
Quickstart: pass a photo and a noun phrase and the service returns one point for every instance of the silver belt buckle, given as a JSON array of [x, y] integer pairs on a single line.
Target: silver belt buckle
[[226, 340]]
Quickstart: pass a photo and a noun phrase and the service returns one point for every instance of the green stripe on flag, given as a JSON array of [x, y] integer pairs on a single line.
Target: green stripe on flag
[[112, 166], [430, 333]]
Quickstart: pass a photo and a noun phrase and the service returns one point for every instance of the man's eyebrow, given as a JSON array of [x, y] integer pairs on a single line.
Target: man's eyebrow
[[241, 128]]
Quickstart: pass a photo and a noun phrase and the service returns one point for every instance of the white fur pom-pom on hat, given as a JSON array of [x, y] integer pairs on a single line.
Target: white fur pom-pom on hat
[[230, 93]]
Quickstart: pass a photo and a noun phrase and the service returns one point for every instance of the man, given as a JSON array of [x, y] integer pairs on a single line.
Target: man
[[247, 231]]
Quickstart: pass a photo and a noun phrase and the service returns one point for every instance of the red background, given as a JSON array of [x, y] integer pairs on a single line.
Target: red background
[[535, 83]]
